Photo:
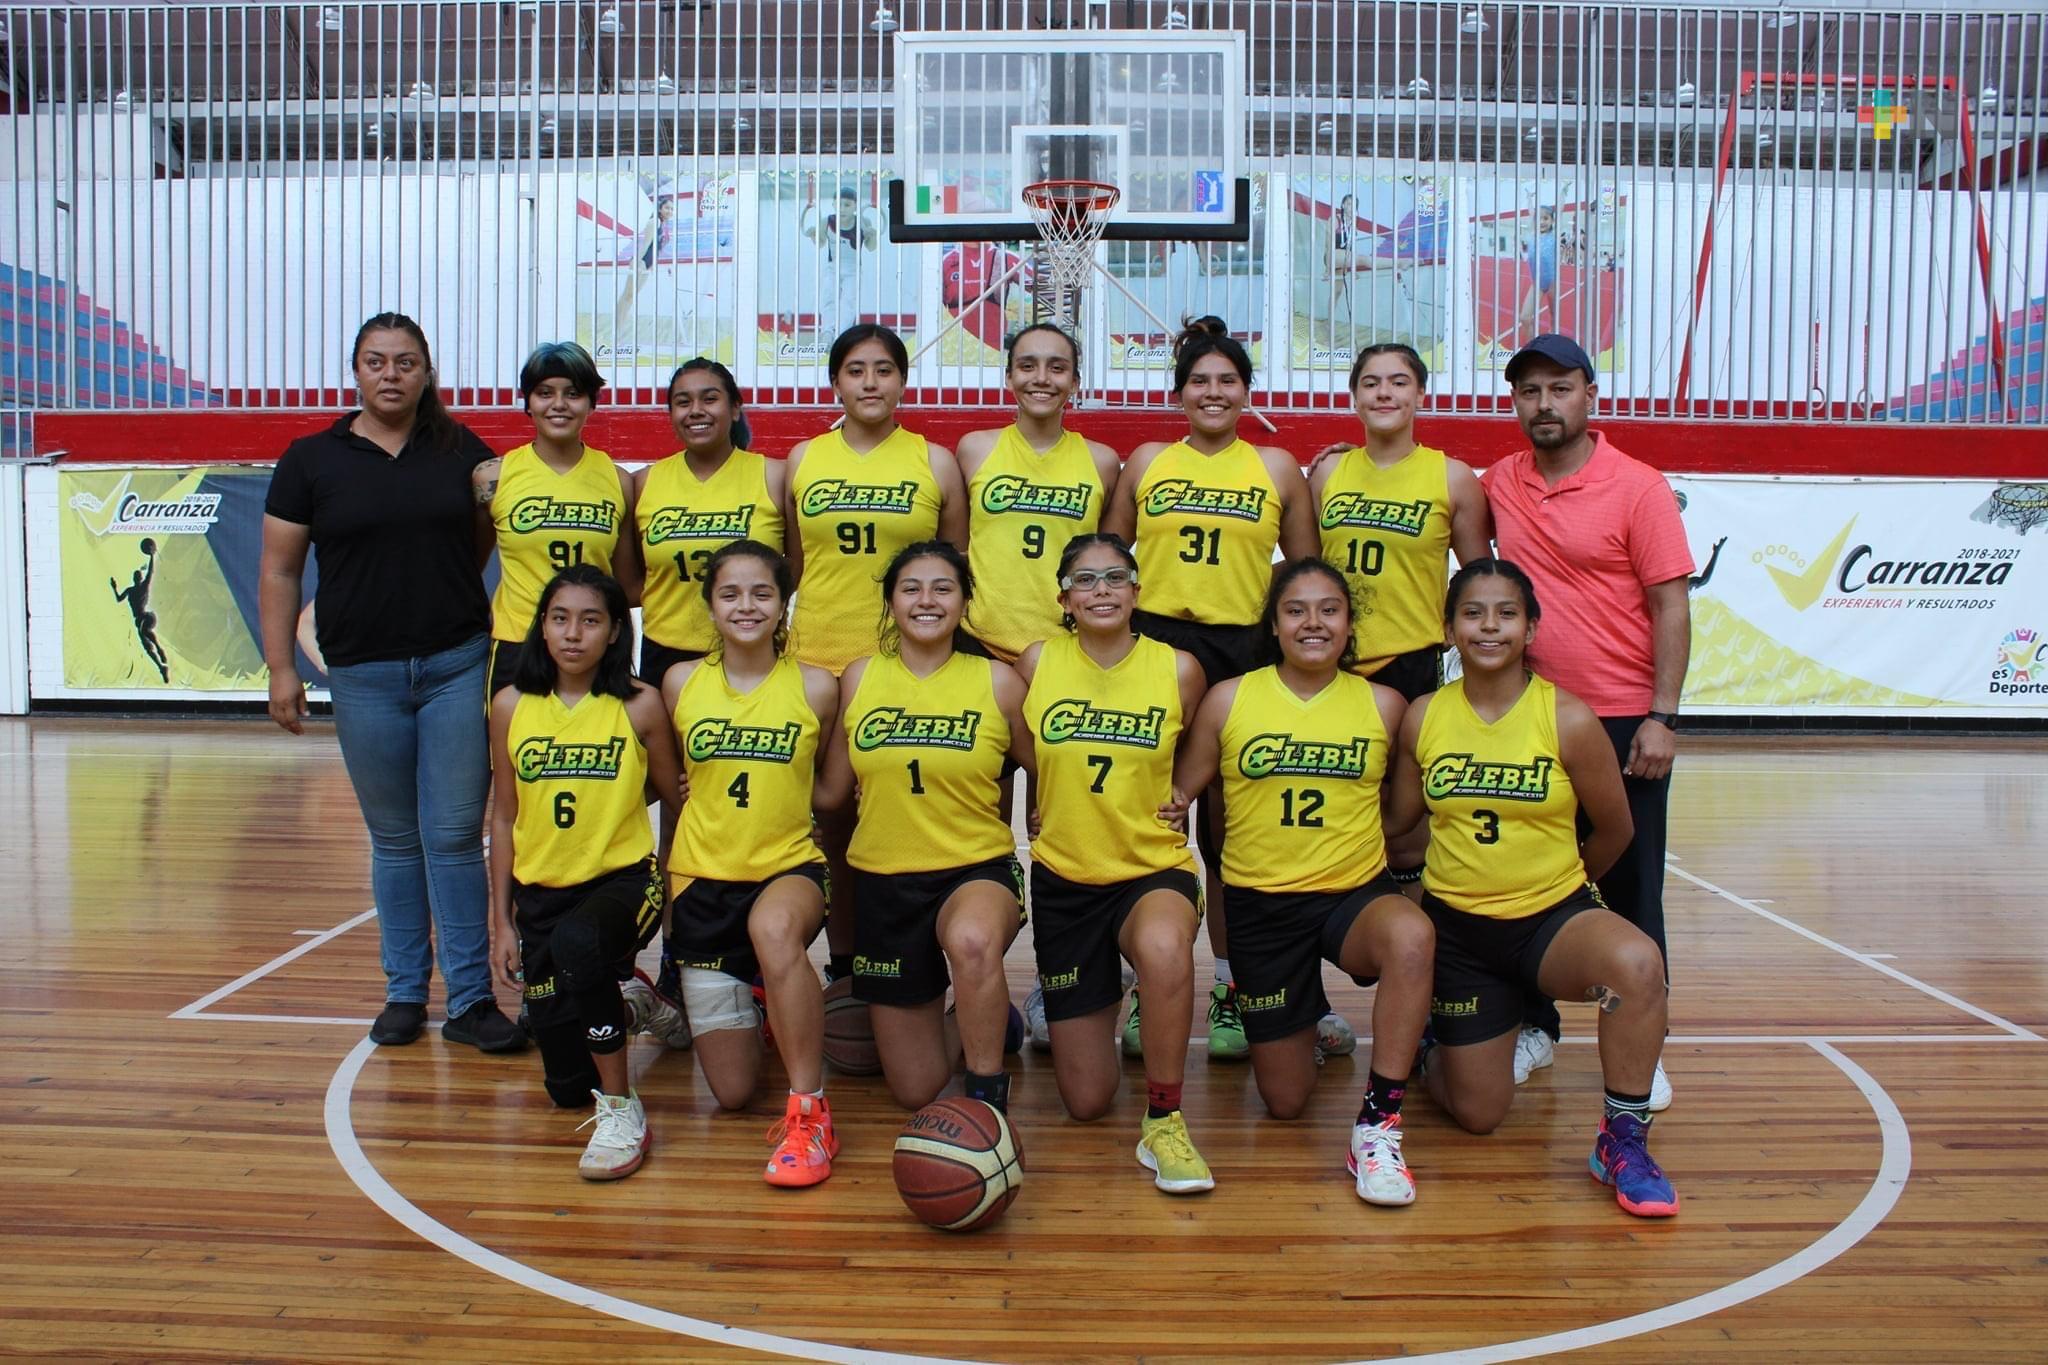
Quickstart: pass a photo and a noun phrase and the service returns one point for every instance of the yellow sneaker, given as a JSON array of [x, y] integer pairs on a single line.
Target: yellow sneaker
[[1165, 1149]]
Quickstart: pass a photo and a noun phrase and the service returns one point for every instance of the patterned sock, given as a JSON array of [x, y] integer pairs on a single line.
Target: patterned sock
[[1382, 1098], [1223, 972], [1161, 1099], [1635, 1106]]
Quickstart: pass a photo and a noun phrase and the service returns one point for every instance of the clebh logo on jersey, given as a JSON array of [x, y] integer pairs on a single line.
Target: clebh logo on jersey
[[2022, 668], [540, 759], [1071, 718], [1375, 514], [715, 737], [1286, 756], [1015, 493], [1462, 775], [1184, 495], [892, 726], [541, 513], [837, 495], [680, 523]]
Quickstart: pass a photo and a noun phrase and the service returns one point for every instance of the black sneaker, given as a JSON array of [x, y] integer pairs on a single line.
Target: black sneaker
[[485, 1029], [398, 1023]]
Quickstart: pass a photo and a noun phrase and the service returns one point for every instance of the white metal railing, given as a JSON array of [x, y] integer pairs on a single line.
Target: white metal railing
[[202, 201]]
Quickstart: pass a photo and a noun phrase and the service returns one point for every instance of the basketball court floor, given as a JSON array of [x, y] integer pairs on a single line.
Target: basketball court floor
[[204, 1158]]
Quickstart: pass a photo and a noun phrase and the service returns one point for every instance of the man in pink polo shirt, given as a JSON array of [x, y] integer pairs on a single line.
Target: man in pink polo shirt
[[1599, 535]]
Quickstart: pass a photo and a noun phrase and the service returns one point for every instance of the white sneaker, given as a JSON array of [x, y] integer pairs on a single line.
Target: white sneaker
[[1034, 1020], [1334, 1037], [650, 1012], [1375, 1159], [1533, 1052], [620, 1143], [1660, 1091]]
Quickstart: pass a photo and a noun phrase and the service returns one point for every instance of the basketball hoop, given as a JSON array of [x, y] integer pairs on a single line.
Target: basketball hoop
[[1070, 216]]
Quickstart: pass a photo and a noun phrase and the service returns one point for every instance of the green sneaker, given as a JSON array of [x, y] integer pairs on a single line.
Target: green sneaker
[[1165, 1149], [1226, 1025], [1132, 1047]]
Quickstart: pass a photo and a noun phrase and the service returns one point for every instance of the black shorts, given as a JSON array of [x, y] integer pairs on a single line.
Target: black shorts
[[1224, 652], [1074, 933], [656, 659], [1279, 941], [1414, 674], [1484, 965], [631, 893], [709, 926], [896, 954], [504, 658]]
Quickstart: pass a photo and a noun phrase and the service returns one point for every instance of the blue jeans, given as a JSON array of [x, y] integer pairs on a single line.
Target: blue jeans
[[416, 741]]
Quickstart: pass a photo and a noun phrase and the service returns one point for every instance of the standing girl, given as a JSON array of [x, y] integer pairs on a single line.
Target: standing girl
[[1206, 513], [576, 742], [403, 623], [554, 501], [751, 886]]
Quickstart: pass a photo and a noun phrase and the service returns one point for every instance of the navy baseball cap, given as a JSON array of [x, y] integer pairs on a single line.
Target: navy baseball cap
[[1556, 348]]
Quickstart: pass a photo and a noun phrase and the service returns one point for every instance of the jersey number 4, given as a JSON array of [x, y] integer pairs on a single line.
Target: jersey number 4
[[738, 791]]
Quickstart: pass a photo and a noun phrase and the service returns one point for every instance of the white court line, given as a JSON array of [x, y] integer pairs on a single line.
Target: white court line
[[279, 1019], [291, 955], [1876, 966], [1894, 1165]]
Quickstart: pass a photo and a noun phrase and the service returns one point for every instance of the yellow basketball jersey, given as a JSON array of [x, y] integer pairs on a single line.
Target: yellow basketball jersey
[[548, 521], [1207, 525], [1023, 508], [1389, 531], [684, 520], [927, 753], [582, 775], [751, 758], [854, 512], [1105, 739], [1301, 785], [1503, 833]]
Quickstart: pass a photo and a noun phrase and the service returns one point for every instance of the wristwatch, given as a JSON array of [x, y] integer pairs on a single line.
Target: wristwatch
[[1667, 719]]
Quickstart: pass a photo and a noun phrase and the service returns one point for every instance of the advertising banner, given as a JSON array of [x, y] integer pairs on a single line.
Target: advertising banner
[[1839, 597], [1542, 262], [826, 263], [1371, 263], [655, 271], [158, 573]]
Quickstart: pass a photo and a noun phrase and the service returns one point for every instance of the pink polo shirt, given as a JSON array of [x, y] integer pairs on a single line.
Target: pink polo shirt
[[1591, 543]]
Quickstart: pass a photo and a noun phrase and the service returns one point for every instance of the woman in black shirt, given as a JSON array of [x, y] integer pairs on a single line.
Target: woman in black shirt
[[383, 496]]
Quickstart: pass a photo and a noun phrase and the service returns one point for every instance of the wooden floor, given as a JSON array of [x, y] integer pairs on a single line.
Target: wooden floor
[[202, 1157]]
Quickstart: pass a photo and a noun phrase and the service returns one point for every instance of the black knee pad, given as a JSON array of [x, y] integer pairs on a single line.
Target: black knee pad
[[566, 1068], [579, 957]]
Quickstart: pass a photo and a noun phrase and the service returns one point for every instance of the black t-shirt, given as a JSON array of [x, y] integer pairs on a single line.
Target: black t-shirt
[[395, 539]]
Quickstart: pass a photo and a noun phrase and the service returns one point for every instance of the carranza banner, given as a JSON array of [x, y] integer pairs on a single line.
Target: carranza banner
[[159, 580], [1877, 596]]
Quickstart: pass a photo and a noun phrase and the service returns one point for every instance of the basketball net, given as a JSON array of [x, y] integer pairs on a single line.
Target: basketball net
[[1070, 216]]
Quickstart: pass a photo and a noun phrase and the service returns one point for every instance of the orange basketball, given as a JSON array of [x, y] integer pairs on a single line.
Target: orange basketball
[[957, 1164], [849, 1034]]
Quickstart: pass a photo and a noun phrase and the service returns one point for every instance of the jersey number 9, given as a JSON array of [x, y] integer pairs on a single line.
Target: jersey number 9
[[1034, 542]]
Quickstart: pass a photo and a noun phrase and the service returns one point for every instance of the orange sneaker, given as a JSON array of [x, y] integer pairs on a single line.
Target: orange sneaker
[[804, 1143]]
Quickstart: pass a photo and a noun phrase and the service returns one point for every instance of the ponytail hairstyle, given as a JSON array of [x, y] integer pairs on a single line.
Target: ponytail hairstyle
[[742, 434], [778, 567], [433, 428], [535, 670], [1269, 619], [890, 638], [1203, 336]]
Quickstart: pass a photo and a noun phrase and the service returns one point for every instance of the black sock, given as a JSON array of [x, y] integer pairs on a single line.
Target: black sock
[[1635, 1106], [1382, 1099], [838, 966], [993, 1090]]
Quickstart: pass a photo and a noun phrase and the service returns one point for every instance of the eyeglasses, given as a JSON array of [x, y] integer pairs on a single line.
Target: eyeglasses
[[1084, 580]]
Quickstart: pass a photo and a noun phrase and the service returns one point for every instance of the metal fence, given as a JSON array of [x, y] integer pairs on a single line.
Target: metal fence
[[1807, 213]]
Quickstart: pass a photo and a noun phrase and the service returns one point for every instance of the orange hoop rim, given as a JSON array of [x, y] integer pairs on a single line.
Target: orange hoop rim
[[1071, 201]]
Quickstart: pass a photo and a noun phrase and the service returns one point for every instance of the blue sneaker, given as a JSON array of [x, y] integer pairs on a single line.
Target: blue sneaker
[[1621, 1158]]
